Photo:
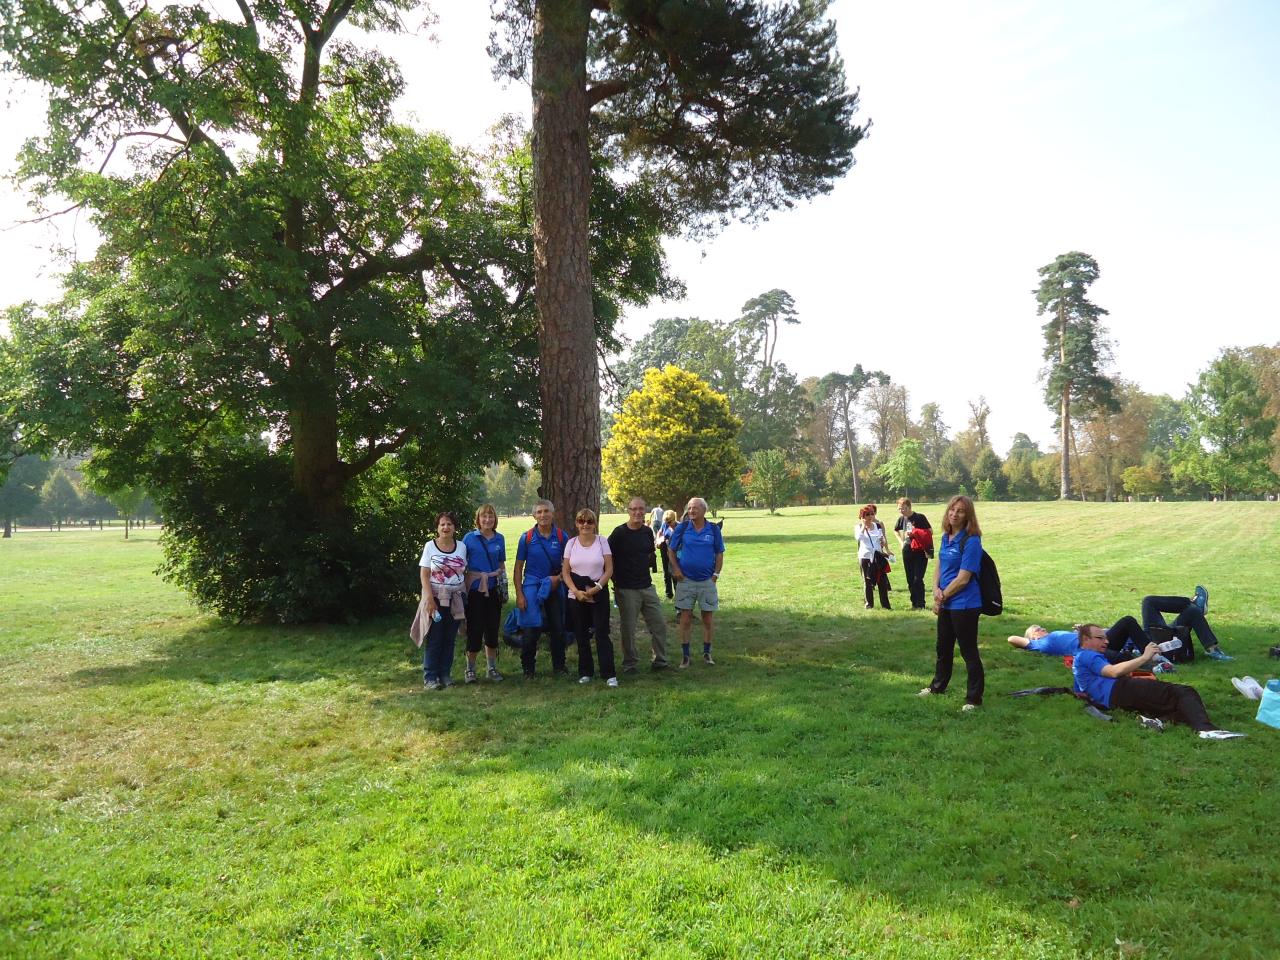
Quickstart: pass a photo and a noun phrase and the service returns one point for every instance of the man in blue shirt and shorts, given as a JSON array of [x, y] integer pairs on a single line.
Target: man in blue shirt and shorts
[[697, 554]]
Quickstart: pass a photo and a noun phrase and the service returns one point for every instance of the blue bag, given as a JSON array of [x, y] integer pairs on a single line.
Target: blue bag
[[1269, 707], [511, 629]]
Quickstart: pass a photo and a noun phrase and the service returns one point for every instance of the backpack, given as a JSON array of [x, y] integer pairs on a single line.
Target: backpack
[[988, 584]]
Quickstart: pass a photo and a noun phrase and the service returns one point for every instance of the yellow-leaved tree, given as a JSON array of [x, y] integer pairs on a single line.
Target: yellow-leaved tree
[[674, 439]]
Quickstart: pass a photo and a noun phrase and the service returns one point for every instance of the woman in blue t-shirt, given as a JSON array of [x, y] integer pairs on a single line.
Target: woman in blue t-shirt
[[957, 600]]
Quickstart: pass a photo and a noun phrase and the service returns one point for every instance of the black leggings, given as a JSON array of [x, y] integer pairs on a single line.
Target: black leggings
[[484, 621], [870, 582], [588, 619], [959, 627]]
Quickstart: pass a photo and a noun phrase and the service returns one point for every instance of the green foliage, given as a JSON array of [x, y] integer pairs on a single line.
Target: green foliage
[[21, 490], [1148, 479], [985, 489], [1229, 447], [770, 479], [673, 440], [952, 474], [987, 467], [504, 488], [60, 498], [734, 108], [905, 468]]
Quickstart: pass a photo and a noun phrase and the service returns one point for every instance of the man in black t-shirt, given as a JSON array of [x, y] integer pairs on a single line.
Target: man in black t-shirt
[[632, 544], [914, 560]]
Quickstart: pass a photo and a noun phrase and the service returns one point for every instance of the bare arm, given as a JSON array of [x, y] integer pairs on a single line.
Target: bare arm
[[517, 582], [428, 594], [1115, 670]]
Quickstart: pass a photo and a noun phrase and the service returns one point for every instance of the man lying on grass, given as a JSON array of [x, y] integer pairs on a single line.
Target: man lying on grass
[[1110, 685], [1124, 640]]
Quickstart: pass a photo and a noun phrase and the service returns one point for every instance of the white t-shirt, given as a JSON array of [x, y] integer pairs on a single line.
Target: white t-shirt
[[869, 541], [588, 561], [447, 569]]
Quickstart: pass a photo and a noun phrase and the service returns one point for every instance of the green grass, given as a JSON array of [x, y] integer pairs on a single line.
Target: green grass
[[174, 786]]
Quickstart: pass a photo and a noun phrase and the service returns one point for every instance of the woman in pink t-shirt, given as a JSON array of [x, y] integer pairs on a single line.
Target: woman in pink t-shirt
[[588, 566]]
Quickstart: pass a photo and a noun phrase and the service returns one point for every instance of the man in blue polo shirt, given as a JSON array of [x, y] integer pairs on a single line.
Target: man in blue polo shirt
[[538, 558], [1109, 685], [697, 554]]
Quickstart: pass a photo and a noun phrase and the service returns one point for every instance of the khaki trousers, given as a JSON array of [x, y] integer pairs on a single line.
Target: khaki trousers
[[631, 604]]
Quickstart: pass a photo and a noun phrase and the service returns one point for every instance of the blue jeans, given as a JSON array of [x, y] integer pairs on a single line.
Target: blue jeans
[[1189, 615], [437, 653]]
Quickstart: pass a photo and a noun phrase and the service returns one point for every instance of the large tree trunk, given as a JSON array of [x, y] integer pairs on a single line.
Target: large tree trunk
[[319, 475], [570, 388], [851, 445], [8, 528]]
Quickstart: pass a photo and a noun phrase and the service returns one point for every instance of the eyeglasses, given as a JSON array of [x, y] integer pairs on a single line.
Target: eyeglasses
[[636, 509]]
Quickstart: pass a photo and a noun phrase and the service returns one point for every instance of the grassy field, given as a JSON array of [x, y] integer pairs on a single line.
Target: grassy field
[[174, 786]]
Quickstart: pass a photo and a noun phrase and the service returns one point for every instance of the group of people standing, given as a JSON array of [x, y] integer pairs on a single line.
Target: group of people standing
[[915, 537], [561, 581]]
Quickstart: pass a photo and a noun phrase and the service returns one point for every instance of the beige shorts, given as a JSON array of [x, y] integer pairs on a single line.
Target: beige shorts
[[701, 592]]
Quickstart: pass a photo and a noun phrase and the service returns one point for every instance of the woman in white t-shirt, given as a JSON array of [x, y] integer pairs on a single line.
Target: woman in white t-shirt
[[873, 556], [443, 570], [587, 568]]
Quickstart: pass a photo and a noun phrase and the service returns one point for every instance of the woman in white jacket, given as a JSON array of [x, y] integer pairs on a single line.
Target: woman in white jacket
[[873, 557]]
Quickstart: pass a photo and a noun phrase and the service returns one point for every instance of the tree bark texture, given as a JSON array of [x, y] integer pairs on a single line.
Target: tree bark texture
[[851, 444], [1064, 491], [319, 475], [569, 378]]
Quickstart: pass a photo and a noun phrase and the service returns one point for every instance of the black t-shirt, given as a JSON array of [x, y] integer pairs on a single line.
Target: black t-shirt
[[917, 520], [632, 555]]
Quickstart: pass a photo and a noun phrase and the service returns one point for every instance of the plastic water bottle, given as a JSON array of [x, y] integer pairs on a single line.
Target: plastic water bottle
[[435, 616]]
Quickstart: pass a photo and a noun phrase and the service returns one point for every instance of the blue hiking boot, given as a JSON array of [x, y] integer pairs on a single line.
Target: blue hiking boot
[[1202, 599]]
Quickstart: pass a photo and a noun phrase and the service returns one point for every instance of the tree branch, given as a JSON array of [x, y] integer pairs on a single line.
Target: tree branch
[[605, 89], [361, 276], [377, 451]]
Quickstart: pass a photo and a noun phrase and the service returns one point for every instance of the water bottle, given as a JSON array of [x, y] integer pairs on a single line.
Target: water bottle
[[435, 616]]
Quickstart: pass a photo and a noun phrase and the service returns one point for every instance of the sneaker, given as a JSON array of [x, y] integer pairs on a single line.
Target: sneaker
[[470, 675], [584, 679], [1215, 653], [869, 606], [1249, 688], [1202, 599], [968, 707], [495, 676], [1162, 668], [611, 682], [432, 685], [1220, 735], [446, 682], [658, 665], [1151, 723], [706, 658], [1097, 714], [684, 662], [927, 692], [629, 669]]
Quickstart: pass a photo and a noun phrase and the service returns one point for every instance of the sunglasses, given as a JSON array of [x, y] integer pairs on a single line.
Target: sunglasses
[[586, 523]]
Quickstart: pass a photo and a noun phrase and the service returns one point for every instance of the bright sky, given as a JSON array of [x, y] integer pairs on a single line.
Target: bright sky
[[1145, 133]]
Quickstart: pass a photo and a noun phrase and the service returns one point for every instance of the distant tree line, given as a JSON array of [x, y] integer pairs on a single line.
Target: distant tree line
[[55, 492]]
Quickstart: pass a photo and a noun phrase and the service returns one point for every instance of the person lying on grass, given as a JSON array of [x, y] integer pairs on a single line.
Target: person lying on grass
[[1124, 639], [1110, 686], [1191, 613]]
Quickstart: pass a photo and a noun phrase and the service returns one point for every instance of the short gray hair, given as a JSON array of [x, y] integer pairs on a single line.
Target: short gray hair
[[543, 503], [693, 500]]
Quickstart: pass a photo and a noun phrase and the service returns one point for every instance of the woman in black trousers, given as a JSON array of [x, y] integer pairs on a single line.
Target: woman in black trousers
[[957, 601]]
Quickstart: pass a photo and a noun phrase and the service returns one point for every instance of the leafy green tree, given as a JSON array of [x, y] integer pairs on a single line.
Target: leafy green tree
[[1148, 479], [812, 480], [988, 466], [725, 109], [844, 390], [282, 258], [952, 473], [905, 468], [674, 439], [665, 343], [60, 498], [1076, 347], [933, 435], [1229, 448], [985, 489], [504, 488], [20, 491], [771, 479], [763, 313]]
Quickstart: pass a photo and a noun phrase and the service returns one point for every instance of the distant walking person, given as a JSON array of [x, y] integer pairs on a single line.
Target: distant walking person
[[664, 544], [633, 550], [873, 556], [656, 519], [697, 555], [588, 567], [916, 537], [957, 600]]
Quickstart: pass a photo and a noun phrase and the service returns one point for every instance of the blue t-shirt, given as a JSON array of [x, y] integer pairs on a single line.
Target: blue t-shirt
[[542, 558], [1087, 669], [485, 556], [696, 552], [950, 563], [1059, 643]]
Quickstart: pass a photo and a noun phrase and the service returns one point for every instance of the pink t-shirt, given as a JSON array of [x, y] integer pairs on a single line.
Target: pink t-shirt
[[588, 561]]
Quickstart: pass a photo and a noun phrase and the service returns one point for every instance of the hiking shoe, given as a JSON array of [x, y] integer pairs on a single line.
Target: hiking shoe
[[706, 658], [1165, 667], [1151, 723], [1249, 688], [1215, 653], [658, 665], [1202, 599], [927, 692], [470, 675], [684, 662], [631, 668], [495, 676], [446, 682], [1097, 714], [968, 707], [584, 679], [432, 685], [611, 682], [1220, 735], [870, 606]]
